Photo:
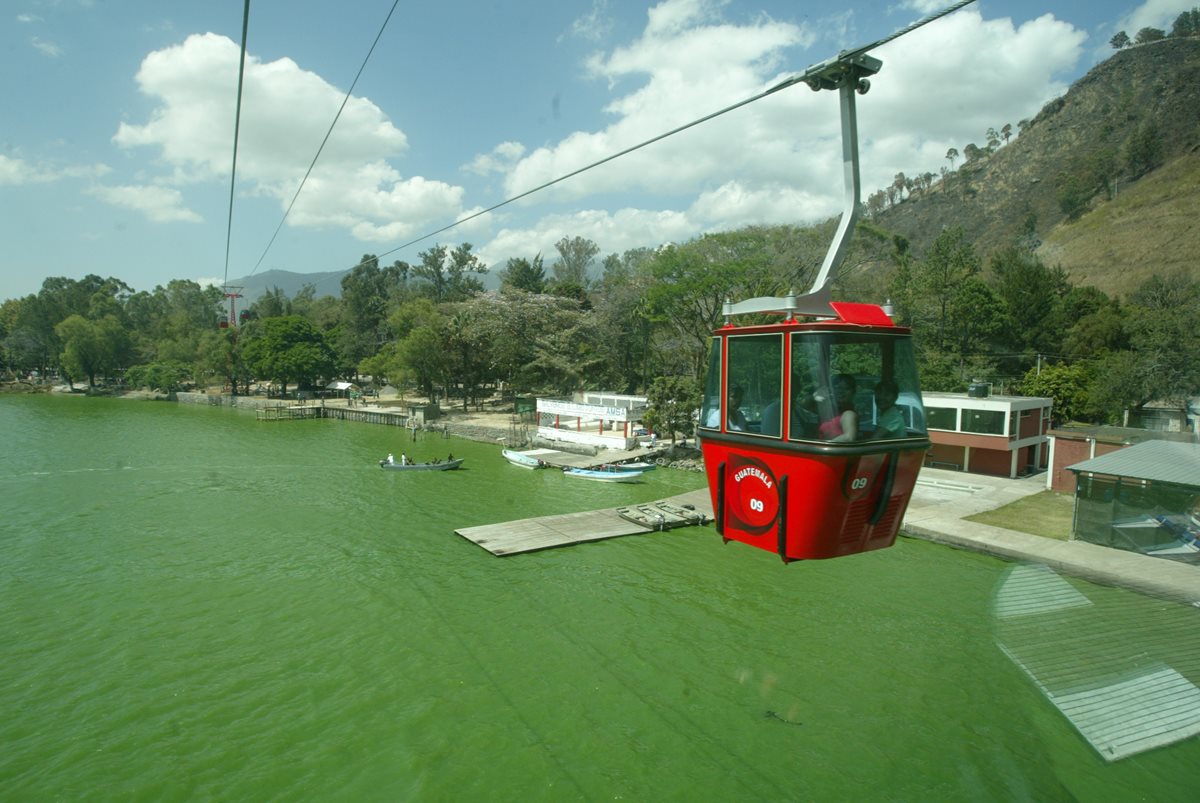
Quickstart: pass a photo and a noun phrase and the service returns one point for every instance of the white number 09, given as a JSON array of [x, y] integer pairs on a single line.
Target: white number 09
[[858, 483]]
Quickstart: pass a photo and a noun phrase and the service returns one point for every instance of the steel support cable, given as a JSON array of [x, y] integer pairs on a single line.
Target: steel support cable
[[237, 122], [336, 117]]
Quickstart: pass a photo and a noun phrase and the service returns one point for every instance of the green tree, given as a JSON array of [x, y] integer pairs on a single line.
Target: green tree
[[689, 284], [449, 275], [936, 282], [1032, 296], [1187, 24], [289, 350], [524, 274], [671, 402], [620, 311], [1143, 150], [575, 256], [365, 293], [168, 376], [1162, 331], [466, 354], [91, 348], [569, 357], [1119, 383], [1068, 385], [274, 303], [1120, 40], [1147, 35]]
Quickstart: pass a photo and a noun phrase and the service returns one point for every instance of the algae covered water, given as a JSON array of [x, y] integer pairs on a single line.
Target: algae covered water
[[198, 605]]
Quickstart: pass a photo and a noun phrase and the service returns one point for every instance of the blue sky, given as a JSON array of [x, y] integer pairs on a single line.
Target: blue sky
[[116, 144]]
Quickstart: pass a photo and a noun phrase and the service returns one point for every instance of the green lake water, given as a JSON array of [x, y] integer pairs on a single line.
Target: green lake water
[[200, 606]]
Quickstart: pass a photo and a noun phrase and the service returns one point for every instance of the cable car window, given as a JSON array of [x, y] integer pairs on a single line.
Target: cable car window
[[710, 409], [754, 383], [850, 387]]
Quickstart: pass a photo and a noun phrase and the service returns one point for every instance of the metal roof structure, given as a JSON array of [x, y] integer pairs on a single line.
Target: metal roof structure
[[1157, 461]]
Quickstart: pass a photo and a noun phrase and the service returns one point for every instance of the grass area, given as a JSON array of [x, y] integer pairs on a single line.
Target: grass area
[[1047, 514]]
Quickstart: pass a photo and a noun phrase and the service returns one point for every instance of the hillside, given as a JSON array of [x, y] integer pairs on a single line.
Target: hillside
[[1013, 195], [328, 283]]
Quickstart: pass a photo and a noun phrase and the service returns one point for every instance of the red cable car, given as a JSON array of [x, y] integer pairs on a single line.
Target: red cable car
[[812, 429]]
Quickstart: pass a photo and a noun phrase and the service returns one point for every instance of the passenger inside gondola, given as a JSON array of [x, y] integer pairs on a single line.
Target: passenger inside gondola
[[889, 420], [737, 419], [842, 425]]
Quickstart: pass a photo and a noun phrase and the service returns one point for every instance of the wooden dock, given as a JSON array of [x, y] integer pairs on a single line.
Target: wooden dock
[[547, 532], [362, 415], [286, 412]]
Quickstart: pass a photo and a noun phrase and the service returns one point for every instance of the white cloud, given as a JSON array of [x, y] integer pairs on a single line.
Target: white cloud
[[946, 84], [689, 64], [44, 47], [616, 231], [779, 160], [501, 159], [159, 204], [15, 172], [286, 112], [594, 25]]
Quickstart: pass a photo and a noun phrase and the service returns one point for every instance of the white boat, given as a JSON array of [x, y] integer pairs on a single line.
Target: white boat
[[604, 475], [636, 465], [521, 459]]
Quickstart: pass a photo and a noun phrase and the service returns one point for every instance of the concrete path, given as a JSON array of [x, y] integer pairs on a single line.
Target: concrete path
[[943, 499]]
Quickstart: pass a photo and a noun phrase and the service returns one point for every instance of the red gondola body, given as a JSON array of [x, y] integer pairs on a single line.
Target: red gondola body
[[783, 483]]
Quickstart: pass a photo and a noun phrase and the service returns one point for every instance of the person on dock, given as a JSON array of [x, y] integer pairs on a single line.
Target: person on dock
[[391, 459], [403, 459]]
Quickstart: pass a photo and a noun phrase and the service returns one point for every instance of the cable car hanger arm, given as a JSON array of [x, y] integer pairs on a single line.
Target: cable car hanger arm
[[846, 72]]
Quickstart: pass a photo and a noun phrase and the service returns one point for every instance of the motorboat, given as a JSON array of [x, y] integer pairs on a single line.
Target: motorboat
[[604, 474], [521, 459], [440, 465]]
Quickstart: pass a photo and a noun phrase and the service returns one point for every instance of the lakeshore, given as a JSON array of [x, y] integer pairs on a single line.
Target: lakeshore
[[937, 512]]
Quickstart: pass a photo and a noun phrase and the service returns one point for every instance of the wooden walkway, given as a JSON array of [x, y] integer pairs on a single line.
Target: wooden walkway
[[547, 532]]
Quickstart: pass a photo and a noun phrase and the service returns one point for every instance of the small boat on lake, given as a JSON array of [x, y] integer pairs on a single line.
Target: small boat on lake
[[441, 465], [604, 474], [522, 459], [636, 465]]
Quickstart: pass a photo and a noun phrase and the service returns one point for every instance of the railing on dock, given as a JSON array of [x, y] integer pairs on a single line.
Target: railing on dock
[[292, 412], [286, 412]]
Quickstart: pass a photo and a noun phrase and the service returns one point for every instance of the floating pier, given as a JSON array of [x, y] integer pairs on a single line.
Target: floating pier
[[547, 532]]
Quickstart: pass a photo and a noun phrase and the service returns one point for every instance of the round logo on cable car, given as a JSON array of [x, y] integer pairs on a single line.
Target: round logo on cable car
[[753, 494]]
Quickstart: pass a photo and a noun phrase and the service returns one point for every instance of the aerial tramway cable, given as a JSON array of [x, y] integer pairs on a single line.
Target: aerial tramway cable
[[336, 117], [813, 76]]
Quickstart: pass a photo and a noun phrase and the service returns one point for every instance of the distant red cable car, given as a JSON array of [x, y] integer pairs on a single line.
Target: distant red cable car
[[812, 429]]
